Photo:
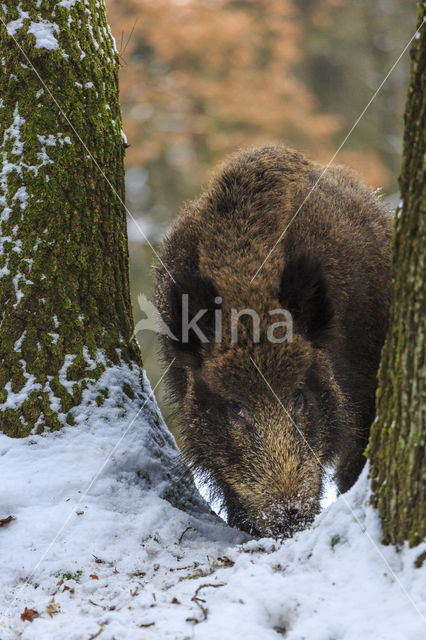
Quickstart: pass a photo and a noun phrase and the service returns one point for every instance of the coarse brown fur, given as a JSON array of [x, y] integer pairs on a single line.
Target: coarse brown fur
[[260, 419]]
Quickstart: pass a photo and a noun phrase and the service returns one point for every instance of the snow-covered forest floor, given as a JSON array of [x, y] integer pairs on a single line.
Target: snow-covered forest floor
[[97, 551]]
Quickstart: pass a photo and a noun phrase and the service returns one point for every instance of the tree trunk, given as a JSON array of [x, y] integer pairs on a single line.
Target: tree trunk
[[397, 442], [64, 283]]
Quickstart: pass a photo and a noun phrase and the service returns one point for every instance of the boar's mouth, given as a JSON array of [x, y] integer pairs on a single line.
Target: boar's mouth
[[277, 521]]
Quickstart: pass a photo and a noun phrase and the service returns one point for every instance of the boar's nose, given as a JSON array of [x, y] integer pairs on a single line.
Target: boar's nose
[[294, 520], [280, 522], [288, 521]]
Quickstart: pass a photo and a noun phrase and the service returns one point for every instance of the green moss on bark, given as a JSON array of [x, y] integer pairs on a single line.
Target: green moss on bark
[[397, 442], [64, 285]]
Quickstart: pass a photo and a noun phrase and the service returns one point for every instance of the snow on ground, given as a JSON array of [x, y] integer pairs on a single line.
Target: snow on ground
[[119, 561]]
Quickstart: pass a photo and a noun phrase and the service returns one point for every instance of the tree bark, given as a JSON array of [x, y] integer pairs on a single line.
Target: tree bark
[[397, 442], [64, 277]]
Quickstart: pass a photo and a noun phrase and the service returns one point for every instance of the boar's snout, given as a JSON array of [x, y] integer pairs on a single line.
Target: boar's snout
[[280, 520]]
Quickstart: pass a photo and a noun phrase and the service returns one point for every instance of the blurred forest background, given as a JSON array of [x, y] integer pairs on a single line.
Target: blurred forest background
[[201, 78]]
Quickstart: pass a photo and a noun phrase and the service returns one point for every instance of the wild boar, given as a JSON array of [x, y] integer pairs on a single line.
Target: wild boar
[[265, 407]]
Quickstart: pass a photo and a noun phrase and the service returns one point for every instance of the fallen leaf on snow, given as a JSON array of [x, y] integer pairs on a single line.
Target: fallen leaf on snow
[[29, 614], [227, 562], [52, 607], [93, 576], [4, 521]]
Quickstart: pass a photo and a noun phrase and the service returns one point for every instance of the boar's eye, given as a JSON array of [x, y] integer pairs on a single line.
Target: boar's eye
[[238, 411], [298, 400]]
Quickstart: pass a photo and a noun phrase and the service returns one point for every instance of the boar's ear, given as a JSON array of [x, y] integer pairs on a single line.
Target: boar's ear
[[303, 291], [192, 300]]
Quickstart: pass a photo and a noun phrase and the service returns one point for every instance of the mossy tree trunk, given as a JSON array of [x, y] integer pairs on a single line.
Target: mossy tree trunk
[[397, 442], [65, 312]]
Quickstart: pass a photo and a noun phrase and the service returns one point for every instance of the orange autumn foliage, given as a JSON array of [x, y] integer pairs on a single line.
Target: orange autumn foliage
[[202, 78], [205, 78]]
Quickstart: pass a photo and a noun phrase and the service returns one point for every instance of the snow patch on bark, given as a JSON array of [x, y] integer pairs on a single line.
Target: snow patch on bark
[[16, 399], [67, 3], [12, 161], [15, 25], [43, 32]]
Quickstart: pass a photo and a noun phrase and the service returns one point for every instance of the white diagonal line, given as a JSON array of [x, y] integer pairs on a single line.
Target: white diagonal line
[[62, 112], [342, 495], [340, 146], [86, 491]]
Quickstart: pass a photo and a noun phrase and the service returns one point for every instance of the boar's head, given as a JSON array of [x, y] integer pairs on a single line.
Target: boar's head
[[260, 418]]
